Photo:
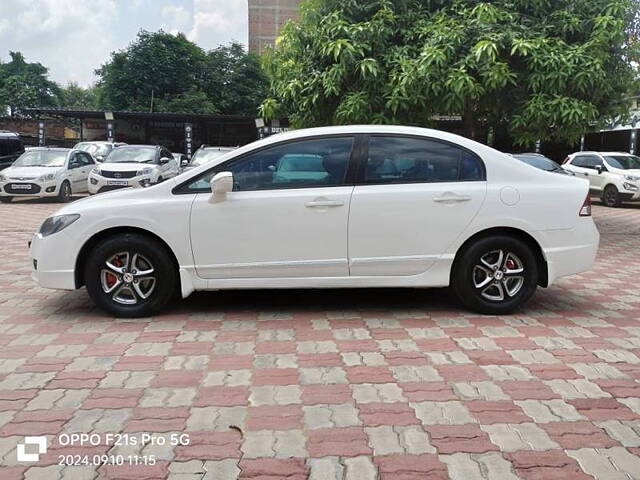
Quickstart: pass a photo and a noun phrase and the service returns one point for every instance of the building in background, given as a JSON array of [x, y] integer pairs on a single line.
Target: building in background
[[266, 18]]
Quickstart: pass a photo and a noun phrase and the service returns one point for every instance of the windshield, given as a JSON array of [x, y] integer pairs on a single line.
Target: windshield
[[132, 154], [95, 149], [540, 162], [205, 156], [41, 158], [624, 162]]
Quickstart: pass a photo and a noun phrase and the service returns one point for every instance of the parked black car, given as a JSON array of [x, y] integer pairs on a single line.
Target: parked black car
[[11, 148]]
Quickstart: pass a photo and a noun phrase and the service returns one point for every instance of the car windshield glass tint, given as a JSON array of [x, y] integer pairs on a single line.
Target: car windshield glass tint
[[41, 159], [542, 163], [136, 155], [204, 156], [95, 148], [624, 162]]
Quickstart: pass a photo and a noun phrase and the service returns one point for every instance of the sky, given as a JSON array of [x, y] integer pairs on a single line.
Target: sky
[[74, 37]]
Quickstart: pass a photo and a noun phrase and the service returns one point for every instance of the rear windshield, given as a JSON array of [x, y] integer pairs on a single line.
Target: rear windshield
[[99, 149], [540, 162]]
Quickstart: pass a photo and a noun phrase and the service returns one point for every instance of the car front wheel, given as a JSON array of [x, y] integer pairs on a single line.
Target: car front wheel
[[64, 195], [495, 275], [611, 196], [130, 275]]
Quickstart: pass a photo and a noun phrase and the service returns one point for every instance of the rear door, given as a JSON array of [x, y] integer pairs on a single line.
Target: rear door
[[86, 165], [414, 197]]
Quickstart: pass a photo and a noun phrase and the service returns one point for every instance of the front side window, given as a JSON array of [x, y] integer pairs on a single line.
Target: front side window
[[301, 164], [396, 159]]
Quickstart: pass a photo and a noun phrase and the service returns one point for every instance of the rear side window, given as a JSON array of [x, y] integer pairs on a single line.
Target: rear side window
[[587, 161], [394, 159]]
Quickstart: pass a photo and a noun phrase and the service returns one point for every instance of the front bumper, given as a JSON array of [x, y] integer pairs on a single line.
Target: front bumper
[[98, 183], [36, 188], [52, 262]]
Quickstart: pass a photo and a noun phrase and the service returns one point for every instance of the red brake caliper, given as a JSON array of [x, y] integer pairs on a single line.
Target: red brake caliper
[[111, 278], [511, 264]]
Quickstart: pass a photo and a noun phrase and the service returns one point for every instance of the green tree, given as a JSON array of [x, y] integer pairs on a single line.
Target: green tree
[[74, 96], [234, 80], [193, 101], [543, 69], [156, 64], [24, 85]]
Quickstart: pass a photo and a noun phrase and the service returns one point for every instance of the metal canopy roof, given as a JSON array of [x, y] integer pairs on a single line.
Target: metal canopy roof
[[100, 114]]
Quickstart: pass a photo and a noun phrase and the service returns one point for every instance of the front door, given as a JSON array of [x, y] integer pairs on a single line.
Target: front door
[[417, 196], [286, 217]]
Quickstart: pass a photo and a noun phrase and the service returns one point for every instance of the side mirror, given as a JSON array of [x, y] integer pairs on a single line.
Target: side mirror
[[184, 162], [164, 160], [221, 184], [599, 168], [73, 165]]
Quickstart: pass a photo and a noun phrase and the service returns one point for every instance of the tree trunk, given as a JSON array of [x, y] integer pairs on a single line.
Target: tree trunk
[[469, 121]]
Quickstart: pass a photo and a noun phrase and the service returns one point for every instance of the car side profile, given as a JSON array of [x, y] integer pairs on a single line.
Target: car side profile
[[133, 166], [46, 172], [353, 207], [615, 176]]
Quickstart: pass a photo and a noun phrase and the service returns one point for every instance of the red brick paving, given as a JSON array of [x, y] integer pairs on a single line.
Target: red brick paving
[[346, 384]]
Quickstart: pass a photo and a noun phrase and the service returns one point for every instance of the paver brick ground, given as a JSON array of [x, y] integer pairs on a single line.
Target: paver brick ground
[[335, 385]]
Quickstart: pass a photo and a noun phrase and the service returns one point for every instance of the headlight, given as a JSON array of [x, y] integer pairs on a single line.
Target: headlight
[[630, 186], [3, 178], [55, 224], [48, 176], [144, 171]]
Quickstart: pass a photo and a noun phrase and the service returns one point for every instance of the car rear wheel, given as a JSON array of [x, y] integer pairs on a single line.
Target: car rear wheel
[[130, 275], [64, 195], [495, 275], [611, 196]]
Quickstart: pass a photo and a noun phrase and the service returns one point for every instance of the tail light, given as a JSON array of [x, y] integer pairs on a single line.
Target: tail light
[[585, 211]]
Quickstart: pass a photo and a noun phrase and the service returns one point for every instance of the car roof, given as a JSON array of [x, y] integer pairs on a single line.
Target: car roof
[[593, 152], [211, 147], [143, 146], [103, 142], [57, 149], [8, 134]]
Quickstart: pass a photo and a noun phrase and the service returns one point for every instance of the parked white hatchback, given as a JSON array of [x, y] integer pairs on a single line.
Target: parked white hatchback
[[133, 166], [352, 206], [46, 172], [614, 176]]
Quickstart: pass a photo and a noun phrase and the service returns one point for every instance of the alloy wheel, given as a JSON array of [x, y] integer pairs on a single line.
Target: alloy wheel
[[499, 275], [129, 278]]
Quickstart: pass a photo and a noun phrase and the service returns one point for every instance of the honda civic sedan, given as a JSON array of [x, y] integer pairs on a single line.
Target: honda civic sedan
[[335, 207]]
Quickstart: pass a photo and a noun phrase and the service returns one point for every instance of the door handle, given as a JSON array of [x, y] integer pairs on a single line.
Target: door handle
[[324, 203], [452, 198]]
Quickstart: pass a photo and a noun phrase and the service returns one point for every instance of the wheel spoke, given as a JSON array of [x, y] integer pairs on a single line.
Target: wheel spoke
[[106, 288], [131, 300], [487, 277], [137, 286], [499, 275]]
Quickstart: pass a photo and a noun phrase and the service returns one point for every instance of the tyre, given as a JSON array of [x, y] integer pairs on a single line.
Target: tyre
[[495, 275], [64, 195], [130, 275], [6, 199], [611, 196]]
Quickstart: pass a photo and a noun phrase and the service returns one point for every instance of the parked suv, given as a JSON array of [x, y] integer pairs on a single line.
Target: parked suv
[[133, 166], [614, 176], [98, 150], [10, 148]]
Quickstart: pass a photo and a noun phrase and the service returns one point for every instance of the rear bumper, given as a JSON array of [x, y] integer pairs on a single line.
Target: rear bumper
[[569, 252]]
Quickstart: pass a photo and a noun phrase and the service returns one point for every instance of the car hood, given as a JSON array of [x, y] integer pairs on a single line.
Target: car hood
[[30, 172], [125, 167], [632, 172]]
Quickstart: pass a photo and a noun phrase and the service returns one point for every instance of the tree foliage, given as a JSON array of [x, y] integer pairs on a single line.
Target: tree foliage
[[543, 69], [74, 96], [24, 85], [181, 76]]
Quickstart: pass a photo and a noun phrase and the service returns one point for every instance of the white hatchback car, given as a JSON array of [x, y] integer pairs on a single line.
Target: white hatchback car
[[352, 206], [46, 172], [614, 176]]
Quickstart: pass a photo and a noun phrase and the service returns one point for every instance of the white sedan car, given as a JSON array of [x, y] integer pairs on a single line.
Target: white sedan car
[[46, 172], [352, 206]]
